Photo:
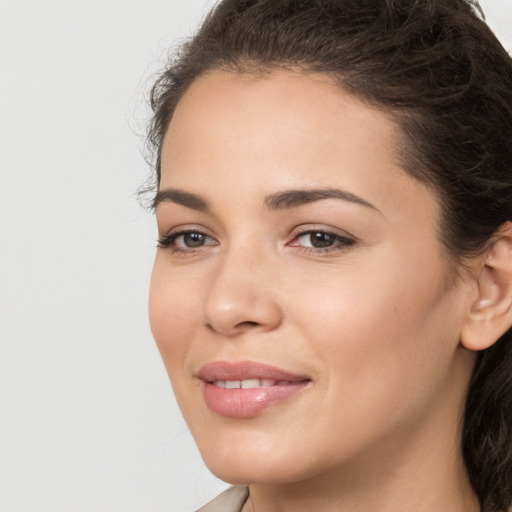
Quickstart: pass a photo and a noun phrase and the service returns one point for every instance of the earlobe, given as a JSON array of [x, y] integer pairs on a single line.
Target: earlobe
[[491, 313]]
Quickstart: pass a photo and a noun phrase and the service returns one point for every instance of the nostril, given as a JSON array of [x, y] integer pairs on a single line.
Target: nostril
[[240, 325], [248, 324]]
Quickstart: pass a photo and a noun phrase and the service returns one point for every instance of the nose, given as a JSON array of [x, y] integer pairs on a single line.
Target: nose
[[242, 295]]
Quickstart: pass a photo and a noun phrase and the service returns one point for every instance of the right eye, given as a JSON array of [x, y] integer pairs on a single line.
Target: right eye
[[186, 241]]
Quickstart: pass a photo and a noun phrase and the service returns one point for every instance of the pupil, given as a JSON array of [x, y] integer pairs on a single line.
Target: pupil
[[193, 239], [321, 240]]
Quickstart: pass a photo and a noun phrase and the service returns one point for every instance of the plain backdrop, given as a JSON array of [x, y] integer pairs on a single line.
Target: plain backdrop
[[88, 422]]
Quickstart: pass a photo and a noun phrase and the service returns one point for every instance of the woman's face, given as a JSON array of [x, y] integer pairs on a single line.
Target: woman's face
[[300, 298]]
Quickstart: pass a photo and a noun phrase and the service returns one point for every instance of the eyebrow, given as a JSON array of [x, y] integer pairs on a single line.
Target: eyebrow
[[278, 201], [293, 198], [181, 197]]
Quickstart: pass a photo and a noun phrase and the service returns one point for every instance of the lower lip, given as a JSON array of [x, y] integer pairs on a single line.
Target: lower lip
[[244, 403]]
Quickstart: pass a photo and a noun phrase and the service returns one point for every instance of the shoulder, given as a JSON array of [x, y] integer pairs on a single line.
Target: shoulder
[[231, 500]]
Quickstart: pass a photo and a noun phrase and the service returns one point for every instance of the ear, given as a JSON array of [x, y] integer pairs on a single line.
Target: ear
[[491, 313]]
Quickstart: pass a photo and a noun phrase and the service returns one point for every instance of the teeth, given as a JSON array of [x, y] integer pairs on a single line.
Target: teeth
[[248, 383]]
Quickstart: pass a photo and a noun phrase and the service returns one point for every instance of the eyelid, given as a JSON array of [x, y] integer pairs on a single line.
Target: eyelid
[[187, 228], [343, 241], [304, 229], [166, 240]]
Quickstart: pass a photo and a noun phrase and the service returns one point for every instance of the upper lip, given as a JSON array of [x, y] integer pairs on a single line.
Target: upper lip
[[244, 370]]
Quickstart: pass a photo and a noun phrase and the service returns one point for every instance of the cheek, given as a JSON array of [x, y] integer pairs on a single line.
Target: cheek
[[174, 311], [382, 346], [376, 330]]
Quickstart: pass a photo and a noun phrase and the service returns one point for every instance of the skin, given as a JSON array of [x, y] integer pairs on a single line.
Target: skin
[[375, 323]]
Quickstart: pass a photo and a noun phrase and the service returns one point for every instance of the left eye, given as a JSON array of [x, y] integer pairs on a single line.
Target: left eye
[[318, 240], [321, 240]]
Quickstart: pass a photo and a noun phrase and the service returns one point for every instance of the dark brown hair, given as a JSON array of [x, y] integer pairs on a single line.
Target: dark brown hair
[[447, 81]]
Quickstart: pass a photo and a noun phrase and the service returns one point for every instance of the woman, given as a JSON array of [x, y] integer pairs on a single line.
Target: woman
[[332, 292]]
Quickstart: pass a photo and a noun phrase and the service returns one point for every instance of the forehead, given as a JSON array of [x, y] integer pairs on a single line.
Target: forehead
[[256, 135], [271, 115], [307, 100]]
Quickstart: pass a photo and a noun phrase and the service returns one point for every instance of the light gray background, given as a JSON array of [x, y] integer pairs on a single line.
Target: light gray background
[[87, 417]]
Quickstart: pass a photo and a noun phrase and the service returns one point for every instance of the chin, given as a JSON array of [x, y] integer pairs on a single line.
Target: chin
[[252, 472], [246, 462]]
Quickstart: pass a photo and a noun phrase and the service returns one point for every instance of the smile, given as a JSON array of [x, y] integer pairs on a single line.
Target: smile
[[246, 389], [250, 383]]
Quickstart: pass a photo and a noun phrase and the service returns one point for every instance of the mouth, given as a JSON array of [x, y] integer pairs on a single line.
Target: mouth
[[245, 389], [250, 383]]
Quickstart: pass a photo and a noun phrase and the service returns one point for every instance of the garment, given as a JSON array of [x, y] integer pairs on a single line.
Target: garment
[[231, 500]]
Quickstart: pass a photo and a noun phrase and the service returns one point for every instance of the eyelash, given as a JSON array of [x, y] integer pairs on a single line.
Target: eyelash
[[168, 240], [340, 243]]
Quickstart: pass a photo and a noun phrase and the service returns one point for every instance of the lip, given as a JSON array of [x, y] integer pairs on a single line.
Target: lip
[[245, 403]]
